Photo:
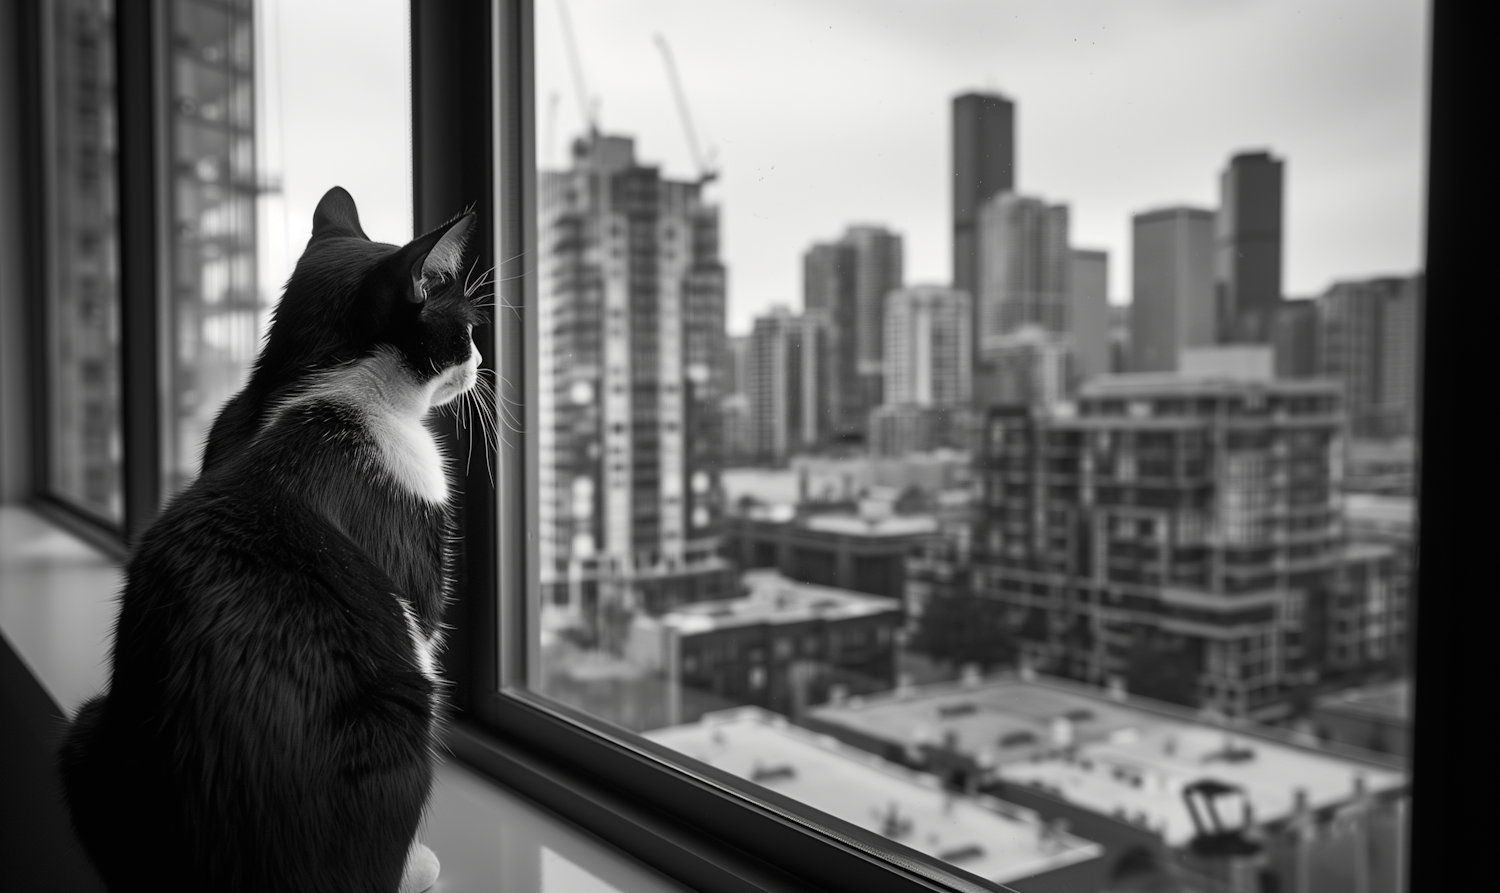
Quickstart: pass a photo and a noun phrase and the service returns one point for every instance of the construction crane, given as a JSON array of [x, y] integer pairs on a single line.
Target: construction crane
[[586, 106], [706, 168]]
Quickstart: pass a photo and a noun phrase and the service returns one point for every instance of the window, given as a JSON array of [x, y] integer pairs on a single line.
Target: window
[[559, 574], [79, 142]]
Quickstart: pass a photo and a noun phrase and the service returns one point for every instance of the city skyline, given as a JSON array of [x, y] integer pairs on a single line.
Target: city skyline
[[1343, 104]]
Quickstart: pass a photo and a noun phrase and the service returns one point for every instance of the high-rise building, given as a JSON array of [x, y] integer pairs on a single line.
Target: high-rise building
[[82, 350], [1088, 312], [1184, 533], [844, 285], [1030, 366], [1368, 340], [631, 371], [1247, 266], [786, 368], [1294, 339], [927, 359], [1172, 301], [984, 163], [1024, 266], [216, 302]]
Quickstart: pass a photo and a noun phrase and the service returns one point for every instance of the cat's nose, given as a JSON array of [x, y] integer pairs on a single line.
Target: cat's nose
[[477, 358]]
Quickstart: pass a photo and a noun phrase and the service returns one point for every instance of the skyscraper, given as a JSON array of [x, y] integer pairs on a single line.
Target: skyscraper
[[785, 374], [1294, 339], [1172, 306], [984, 163], [926, 346], [631, 368], [1367, 339], [928, 372], [1247, 265], [844, 285], [1088, 312], [1024, 265]]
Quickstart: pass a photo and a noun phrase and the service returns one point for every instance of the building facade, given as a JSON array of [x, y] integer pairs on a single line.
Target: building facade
[[1183, 534], [779, 644], [844, 286], [984, 163], [1088, 315], [631, 372], [1295, 339], [786, 383], [1172, 301], [1368, 340], [1024, 265], [1247, 263]]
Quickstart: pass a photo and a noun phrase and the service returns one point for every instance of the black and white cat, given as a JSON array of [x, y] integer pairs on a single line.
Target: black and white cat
[[271, 713]]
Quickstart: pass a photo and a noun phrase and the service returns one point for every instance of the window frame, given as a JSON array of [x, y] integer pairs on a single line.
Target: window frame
[[686, 826], [666, 809]]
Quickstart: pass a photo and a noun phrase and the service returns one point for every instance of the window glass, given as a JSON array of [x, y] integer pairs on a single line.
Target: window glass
[[83, 264], [795, 261], [251, 149]]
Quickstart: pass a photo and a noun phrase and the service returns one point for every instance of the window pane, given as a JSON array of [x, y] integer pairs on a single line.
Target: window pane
[[1079, 474], [249, 157], [83, 326]]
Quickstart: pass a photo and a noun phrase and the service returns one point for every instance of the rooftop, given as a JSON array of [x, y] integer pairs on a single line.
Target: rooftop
[[773, 598], [872, 525], [1145, 384], [982, 835], [1128, 758], [1384, 700]]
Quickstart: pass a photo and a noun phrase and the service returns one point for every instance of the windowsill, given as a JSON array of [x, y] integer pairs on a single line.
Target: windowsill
[[56, 611]]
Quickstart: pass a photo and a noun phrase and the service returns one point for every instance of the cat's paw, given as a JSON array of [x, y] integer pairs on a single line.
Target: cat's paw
[[421, 870]]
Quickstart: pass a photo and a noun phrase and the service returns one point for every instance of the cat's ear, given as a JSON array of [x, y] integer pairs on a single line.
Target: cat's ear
[[337, 216], [436, 256]]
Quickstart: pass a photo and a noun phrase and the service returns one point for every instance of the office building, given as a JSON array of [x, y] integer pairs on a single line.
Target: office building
[[1247, 265], [1172, 300], [1024, 265], [984, 163], [995, 840], [1294, 339], [631, 372], [1119, 339], [1088, 316], [83, 355], [1030, 366], [844, 287], [1184, 533], [780, 644], [1136, 775], [1368, 340], [927, 359], [863, 549], [786, 382], [928, 373]]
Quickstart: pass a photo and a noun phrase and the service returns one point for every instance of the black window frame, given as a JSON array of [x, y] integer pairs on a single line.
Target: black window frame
[[473, 128]]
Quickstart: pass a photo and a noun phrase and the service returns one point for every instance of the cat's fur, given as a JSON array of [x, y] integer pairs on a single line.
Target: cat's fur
[[270, 717]]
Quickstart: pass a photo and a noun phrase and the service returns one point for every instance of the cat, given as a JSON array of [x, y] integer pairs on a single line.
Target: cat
[[273, 702]]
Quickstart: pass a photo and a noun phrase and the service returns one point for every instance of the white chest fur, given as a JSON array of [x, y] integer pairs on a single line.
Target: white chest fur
[[409, 454]]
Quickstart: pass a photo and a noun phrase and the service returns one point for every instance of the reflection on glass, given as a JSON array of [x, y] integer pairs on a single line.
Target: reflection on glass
[[214, 306], [964, 553], [83, 327]]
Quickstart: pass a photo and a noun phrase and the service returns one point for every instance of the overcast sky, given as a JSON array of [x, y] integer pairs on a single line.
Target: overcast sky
[[829, 112]]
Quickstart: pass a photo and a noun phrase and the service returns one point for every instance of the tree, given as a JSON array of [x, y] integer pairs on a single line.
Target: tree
[[964, 629]]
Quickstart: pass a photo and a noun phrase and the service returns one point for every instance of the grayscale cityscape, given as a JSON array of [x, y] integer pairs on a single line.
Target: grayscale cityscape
[[1042, 586], [1065, 592]]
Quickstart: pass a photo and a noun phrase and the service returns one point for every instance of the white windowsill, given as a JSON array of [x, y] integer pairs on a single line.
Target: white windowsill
[[57, 609]]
